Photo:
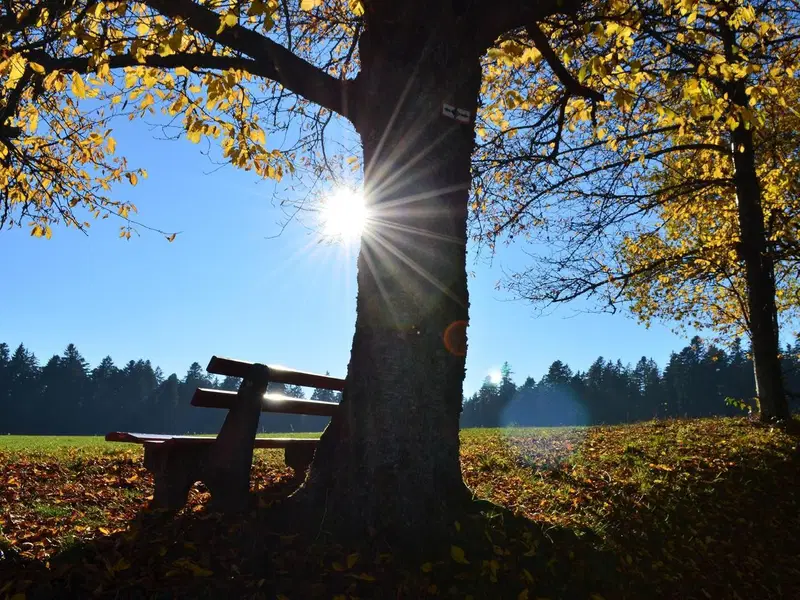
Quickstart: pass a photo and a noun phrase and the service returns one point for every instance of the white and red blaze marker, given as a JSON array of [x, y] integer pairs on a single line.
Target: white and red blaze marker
[[458, 114]]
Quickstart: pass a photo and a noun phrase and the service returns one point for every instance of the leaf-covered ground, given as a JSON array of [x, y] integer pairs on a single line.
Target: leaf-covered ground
[[679, 509]]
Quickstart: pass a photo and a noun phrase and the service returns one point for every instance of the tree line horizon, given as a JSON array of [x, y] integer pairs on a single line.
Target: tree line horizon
[[65, 396]]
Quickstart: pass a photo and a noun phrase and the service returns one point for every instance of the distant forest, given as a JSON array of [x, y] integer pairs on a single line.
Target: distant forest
[[66, 396], [697, 382]]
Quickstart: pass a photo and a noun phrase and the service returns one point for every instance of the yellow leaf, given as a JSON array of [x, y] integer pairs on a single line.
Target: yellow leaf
[[227, 20], [33, 120], [309, 4], [132, 178], [78, 87], [17, 70], [427, 567], [457, 554], [36, 67], [352, 559]]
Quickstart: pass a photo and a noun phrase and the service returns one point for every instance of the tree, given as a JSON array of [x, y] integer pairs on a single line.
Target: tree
[[6, 414], [674, 110], [557, 399], [230, 384], [647, 380], [215, 67], [23, 371], [106, 382], [73, 387], [206, 422], [168, 398]]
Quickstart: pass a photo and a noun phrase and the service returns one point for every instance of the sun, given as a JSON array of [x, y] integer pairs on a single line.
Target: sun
[[495, 376], [343, 215]]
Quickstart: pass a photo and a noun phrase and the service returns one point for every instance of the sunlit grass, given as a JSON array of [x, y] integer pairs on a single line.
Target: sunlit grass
[[675, 503]]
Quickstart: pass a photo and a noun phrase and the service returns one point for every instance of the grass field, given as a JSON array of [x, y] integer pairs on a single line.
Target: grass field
[[678, 509]]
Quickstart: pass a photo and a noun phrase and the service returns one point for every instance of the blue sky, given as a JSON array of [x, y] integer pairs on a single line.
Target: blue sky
[[224, 288]]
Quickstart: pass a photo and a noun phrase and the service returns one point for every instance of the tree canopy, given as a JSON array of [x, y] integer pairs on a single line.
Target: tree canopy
[[585, 105]]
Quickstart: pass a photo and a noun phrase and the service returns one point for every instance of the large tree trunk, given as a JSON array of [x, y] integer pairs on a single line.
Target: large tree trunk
[[759, 275], [754, 251], [388, 464]]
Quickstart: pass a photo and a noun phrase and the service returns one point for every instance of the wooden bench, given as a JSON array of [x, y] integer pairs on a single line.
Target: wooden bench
[[223, 462]]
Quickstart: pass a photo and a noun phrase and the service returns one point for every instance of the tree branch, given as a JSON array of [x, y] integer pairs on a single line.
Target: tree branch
[[572, 85], [497, 17], [188, 60], [274, 61]]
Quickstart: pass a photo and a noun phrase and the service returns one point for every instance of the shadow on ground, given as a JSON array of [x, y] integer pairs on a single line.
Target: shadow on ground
[[731, 534], [693, 528], [258, 554]]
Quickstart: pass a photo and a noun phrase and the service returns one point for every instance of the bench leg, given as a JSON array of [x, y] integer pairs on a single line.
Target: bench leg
[[299, 458], [174, 470], [227, 473]]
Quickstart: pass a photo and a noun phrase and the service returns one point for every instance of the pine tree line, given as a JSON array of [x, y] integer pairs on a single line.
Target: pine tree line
[[699, 381], [66, 396]]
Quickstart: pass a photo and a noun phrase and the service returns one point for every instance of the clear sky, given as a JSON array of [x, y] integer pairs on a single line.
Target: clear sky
[[224, 288]]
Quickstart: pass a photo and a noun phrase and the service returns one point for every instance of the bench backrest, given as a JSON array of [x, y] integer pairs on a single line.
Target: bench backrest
[[240, 368]]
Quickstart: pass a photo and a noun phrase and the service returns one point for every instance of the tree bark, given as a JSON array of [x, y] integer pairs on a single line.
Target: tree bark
[[759, 275], [388, 464], [754, 251]]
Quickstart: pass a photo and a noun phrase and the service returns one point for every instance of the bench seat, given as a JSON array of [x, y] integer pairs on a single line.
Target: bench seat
[[155, 438], [178, 461]]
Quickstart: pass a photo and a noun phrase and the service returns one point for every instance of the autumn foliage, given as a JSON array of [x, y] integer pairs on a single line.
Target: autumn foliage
[[661, 507]]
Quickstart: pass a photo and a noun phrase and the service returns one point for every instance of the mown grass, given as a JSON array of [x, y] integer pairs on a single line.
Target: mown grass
[[90, 444], [678, 509]]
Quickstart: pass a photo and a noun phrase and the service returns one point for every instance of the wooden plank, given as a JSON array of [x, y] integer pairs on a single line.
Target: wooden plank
[[207, 398], [276, 403], [239, 368], [149, 438], [136, 438]]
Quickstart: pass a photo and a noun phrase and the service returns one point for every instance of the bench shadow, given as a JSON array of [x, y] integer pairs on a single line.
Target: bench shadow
[[260, 553]]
